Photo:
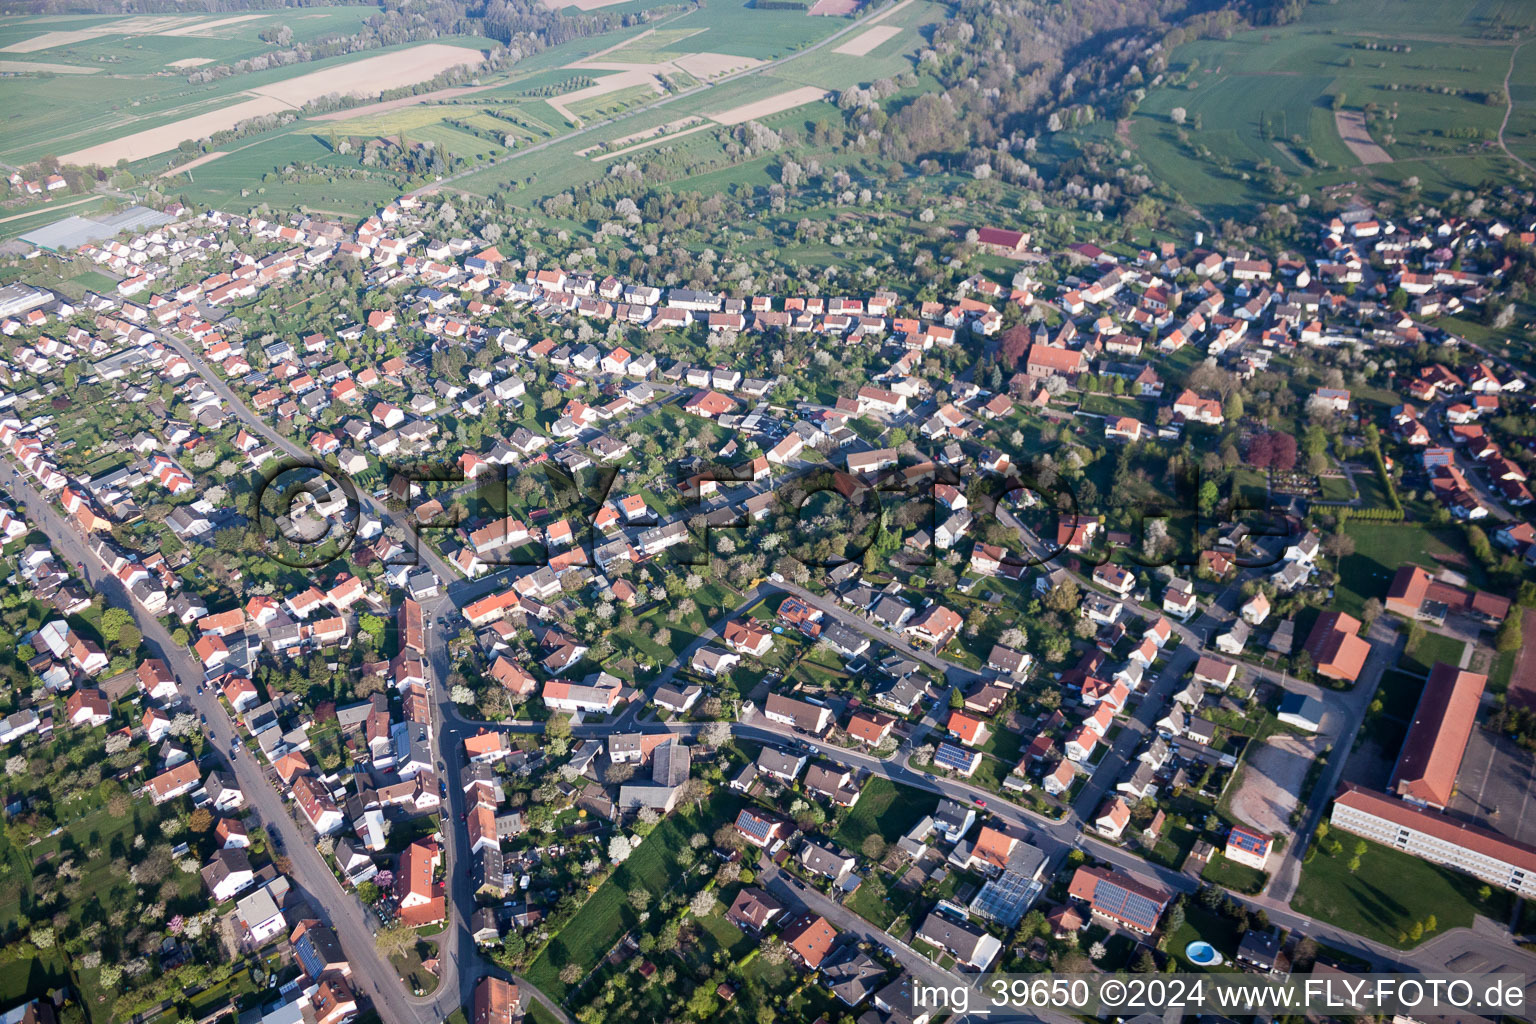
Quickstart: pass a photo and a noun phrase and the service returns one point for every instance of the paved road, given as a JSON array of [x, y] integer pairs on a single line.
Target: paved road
[[375, 977], [460, 961], [1471, 470]]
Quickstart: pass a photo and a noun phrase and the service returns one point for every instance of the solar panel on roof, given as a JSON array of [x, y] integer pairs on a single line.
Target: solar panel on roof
[[308, 957], [1129, 906]]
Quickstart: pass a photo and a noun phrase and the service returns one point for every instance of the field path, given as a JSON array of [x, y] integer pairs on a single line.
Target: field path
[[47, 209], [1509, 108]]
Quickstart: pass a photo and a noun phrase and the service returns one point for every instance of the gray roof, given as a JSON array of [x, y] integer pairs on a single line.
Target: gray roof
[[73, 232], [670, 764]]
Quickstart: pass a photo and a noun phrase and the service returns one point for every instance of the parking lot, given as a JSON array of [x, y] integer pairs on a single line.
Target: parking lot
[[1496, 786]]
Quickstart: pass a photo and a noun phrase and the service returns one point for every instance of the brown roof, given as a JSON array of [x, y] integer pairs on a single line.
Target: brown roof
[[1413, 585], [753, 907], [810, 936], [1335, 649], [993, 846], [1059, 360], [412, 631], [1437, 739], [868, 726], [169, 782], [152, 672], [495, 1001]]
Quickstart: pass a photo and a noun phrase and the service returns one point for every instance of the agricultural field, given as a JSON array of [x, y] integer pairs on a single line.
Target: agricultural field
[[149, 116], [1270, 98], [783, 97]]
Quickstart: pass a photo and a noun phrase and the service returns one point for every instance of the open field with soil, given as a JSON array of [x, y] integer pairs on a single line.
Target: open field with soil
[[863, 43], [363, 77]]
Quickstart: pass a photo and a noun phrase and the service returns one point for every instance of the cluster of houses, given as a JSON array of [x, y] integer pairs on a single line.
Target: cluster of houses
[[949, 838]]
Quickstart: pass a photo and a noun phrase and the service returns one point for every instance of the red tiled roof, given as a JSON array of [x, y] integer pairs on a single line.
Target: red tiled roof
[[1335, 649], [811, 937], [1468, 837], [1437, 739]]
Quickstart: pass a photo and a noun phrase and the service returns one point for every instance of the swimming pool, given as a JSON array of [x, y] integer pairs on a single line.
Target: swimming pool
[[1202, 953]]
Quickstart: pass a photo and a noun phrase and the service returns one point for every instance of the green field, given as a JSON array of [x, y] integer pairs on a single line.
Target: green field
[[736, 28], [1381, 549], [1388, 893], [1266, 97], [884, 808], [607, 915], [76, 111], [612, 103], [1431, 649]]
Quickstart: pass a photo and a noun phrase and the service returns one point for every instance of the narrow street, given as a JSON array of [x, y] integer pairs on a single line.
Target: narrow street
[[376, 977]]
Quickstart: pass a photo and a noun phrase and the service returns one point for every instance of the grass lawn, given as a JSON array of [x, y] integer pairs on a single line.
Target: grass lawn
[[1173, 846], [1399, 694], [27, 977], [412, 972], [884, 808], [1431, 649], [1335, 488], [538, 1015], [1209, 926], [1237, 877], [1383, 548], [727, 936], [607, 915], [874, 903], [1499, 673], [1389, 892]]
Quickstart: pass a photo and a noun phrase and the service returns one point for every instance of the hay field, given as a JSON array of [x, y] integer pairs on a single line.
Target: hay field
[[214, 27], [167, 137]]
